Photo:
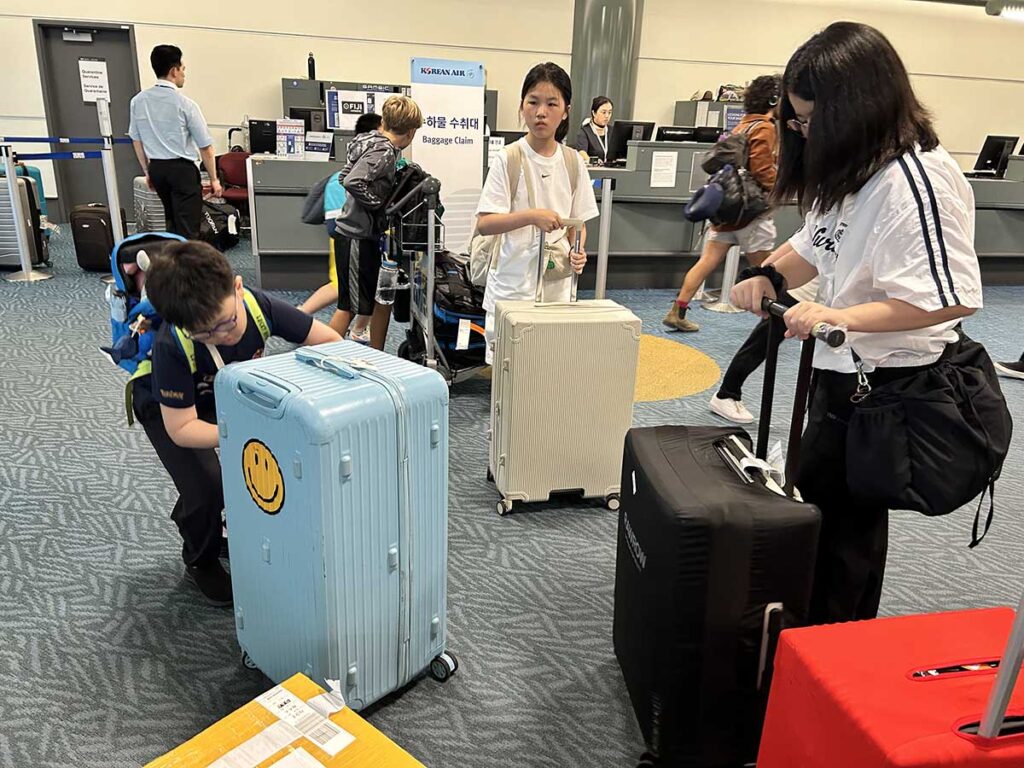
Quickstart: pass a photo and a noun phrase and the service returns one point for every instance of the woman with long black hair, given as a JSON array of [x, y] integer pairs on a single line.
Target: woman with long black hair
[[889, 229]]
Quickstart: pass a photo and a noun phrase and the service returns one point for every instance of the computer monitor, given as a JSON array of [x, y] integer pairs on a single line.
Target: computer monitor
[[315, 119], [707, 134], [510, 137], [263, 136], [623, 132], [995, 154], [675, 133]]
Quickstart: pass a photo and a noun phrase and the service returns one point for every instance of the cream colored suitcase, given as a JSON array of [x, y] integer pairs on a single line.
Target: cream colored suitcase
[[562, 392]]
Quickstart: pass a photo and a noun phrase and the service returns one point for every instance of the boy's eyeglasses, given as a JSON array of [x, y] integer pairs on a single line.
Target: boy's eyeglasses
[[799, 126], [222, 327]]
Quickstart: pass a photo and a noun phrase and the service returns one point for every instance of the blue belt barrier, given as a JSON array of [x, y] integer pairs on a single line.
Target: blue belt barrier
[[94, 154], [56, 140]]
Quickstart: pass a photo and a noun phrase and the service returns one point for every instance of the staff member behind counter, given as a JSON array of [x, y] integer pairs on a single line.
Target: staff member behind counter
[[592, 140]]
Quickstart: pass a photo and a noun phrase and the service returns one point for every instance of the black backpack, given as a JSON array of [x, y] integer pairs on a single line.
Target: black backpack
[[409, 224], [733, 150], [743, 199], [219, 225], [453, 290]]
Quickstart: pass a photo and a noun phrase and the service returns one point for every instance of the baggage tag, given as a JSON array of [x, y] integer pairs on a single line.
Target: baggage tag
[[777, 461], [462, 342], [232, 225], [332, 701]]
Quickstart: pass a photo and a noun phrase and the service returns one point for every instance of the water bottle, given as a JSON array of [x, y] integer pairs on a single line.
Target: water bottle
[[387, 282], [118, 304]]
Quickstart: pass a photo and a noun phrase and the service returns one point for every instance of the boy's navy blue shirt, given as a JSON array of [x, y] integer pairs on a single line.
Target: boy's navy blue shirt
[[173, 383]]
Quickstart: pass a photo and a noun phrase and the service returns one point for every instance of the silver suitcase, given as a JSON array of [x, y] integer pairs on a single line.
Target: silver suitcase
[[149, 211], [562, 391], [37, 242]]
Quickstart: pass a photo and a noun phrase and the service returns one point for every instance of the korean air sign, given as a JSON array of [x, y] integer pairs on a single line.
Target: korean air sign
[[446, 72]]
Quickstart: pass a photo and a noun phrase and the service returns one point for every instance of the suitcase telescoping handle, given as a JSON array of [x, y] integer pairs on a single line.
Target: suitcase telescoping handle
[[327, 363], [830, 334], [1006, 679], [542, 263], [775, 312]]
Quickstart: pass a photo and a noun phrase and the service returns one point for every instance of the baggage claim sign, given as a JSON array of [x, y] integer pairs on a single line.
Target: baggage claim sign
[[450, 145]]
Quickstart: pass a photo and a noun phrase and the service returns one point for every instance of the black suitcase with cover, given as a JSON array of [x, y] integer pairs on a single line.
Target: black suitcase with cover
[[711, 565], [93, 233]]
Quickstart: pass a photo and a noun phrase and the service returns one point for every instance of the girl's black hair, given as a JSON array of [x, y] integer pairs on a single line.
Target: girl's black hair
[[762, 95], [598, 102], [865, 115], [549, 72]]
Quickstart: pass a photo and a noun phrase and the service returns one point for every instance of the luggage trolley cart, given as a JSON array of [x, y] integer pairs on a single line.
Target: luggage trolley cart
[[452, 343]]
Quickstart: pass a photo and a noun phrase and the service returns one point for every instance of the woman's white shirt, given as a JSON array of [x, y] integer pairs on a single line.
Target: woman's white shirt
[[907, 234]]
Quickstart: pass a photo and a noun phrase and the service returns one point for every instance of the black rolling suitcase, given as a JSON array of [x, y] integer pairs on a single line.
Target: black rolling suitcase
[[715, 557], [93, 234]]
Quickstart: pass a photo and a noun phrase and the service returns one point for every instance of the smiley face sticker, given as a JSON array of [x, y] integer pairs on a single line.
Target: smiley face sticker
[[263, 478]]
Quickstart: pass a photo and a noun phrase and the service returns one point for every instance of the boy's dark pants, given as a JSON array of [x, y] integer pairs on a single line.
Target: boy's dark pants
[[196, 475]]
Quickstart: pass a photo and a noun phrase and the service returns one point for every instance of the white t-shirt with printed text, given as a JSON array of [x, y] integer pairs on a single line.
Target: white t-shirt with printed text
[[907, 234], [515, 274]]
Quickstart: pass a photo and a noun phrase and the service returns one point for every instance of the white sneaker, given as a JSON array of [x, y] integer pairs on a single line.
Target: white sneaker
[[361, 338], [1014, 370], [733, 410]]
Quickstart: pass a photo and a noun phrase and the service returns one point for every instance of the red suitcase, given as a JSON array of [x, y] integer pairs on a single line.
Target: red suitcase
[[909, 691]]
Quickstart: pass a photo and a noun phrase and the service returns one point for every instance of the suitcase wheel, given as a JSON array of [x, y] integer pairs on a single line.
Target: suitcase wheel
[[504, 507], [490, 475], [647, 760], [612, 502], [247, 661], [443, 667]]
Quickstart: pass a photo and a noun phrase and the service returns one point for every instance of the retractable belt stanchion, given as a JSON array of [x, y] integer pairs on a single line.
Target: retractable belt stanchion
[[104, 155], [732, 268], [26, 274], [605, 233], [109, 171]]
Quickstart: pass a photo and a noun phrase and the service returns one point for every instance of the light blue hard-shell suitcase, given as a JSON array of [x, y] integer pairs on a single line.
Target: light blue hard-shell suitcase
[[335, 466]]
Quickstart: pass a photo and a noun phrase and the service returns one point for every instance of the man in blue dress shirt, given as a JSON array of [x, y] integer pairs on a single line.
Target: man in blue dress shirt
[[169, 133]]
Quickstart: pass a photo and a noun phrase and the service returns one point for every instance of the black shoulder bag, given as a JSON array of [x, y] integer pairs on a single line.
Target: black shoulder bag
[[933, 440]]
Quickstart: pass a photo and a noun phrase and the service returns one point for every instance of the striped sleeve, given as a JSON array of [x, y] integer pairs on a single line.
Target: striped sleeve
[[924, 252]]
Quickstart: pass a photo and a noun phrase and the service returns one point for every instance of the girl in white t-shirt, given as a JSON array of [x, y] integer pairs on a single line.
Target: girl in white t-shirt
[[546, 98], [889, 231]]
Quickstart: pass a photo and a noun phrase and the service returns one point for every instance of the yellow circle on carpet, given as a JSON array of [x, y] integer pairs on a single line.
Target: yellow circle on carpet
[[668, 370]]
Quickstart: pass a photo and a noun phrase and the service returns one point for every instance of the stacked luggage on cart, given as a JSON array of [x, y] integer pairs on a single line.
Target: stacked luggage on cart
[[442, 307]]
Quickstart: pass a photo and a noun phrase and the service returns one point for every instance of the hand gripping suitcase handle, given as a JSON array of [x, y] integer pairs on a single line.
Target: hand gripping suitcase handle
[[830, 334], [775, 312], [575, 224], [327, 363]]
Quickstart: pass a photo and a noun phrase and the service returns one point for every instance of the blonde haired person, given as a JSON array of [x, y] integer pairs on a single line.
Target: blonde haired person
[[369, 178]]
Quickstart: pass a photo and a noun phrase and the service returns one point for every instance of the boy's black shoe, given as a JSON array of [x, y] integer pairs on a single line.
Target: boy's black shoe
[[213, 581]]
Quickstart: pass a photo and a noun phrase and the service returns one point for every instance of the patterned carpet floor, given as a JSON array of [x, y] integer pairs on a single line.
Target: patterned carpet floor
[[108, 658]]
